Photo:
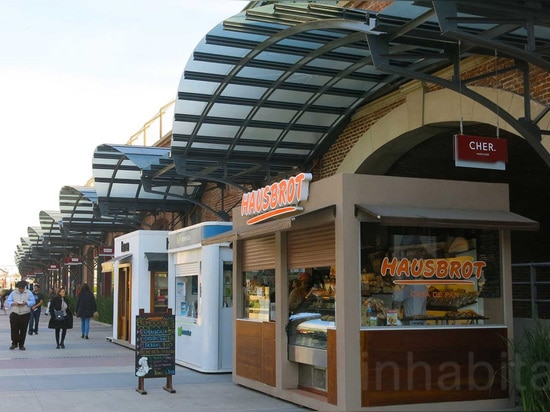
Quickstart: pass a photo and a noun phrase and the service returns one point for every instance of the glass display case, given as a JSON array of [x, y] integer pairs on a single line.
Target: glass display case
[[309, 321], [310, 328]]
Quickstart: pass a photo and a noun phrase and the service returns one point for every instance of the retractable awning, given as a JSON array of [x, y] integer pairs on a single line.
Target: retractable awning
[[388, 215], [158, 261]]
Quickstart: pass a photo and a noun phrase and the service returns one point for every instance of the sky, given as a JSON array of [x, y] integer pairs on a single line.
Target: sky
[[75, 74]]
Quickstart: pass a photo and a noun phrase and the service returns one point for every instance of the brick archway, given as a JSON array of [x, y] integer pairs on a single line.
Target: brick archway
[[423, 115]]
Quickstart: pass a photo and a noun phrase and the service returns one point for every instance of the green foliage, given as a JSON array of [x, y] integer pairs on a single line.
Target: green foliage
[[531, 367], [105, 309]]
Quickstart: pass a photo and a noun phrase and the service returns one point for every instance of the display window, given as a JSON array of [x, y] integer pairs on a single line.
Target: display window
[[311, 305], [227, 285], [259, 294], [159, 291], [429, 276], [187, 298]]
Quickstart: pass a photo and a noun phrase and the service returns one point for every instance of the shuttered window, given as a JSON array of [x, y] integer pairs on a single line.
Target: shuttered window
[[312, 247], [259, 253], [187, 269]]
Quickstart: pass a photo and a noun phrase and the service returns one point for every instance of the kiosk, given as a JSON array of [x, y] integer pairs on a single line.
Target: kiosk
[[200, 287], [140, 267], [405, 288]]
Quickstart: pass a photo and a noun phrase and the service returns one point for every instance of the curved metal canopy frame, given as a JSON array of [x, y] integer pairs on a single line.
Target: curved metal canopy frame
[[268, 91], [131, 179], [79, 209]]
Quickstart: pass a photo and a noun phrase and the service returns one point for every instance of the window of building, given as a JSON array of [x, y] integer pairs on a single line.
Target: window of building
[[259, 294], [429, 276]]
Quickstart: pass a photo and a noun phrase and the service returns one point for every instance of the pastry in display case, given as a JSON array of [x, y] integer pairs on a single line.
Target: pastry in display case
[[312, 317], [309, 326]]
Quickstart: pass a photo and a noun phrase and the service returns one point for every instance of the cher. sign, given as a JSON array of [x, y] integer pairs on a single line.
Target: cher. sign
[[277, 199], [480, 152]]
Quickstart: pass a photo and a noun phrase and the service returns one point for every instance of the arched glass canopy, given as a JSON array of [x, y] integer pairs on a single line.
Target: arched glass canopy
[[81, 217], [268, 91], [124, 183]]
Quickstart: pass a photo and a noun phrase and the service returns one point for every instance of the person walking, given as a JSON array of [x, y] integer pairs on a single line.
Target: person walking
[[36, 309], [20, 301], [3, 298], [59, 303], [85, 308]]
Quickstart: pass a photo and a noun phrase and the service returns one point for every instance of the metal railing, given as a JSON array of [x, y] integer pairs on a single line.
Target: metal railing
[[531, 290], [157, 119]]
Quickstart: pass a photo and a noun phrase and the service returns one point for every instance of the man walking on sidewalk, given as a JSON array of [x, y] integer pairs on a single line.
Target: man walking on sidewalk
[[20, 301], [36, 309]]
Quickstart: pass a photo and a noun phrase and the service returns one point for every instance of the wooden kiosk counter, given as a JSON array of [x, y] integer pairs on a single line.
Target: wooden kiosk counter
[[361, 292]]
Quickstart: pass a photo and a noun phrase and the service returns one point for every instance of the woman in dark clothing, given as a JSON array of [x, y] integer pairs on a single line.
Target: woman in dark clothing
[[85, 309], [59, 302]]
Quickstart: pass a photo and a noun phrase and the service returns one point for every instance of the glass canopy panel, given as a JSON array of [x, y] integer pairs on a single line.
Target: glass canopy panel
[[209, 146], [277, 58], [124, 190], [234, 37], [35, 234], [297, 152], [253, 149], [193, 107], [192, 86], [257, 133], [303, 137], [206, 67], [335, 100], [297, 46], [80, 211], [277, 116], [230, 111], [352, 84], [218, 130], [182, 128], [291, 96], [318, 119], [243, 91], [307, 79], [253, 73], [329, 65]]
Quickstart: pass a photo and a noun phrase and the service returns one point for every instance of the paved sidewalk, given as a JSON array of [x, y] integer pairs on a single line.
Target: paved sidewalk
[[98, 375]]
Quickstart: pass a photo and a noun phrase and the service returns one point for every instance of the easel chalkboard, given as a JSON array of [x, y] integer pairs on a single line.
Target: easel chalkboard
[[155, 348]]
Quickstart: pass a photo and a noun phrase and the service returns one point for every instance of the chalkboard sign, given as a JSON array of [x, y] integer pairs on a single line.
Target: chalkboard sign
[[155, 345]]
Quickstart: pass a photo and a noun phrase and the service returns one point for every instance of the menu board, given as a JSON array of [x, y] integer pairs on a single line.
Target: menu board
[[155, 345]]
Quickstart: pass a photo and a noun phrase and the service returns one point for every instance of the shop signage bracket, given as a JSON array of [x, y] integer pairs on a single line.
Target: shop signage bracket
[[155, 348]]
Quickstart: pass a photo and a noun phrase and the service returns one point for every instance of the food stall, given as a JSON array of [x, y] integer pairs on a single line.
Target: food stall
[[200, 282], [405, 286]]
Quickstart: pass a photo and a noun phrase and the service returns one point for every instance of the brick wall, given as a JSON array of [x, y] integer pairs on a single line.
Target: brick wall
[[511, 81], [212, 198]]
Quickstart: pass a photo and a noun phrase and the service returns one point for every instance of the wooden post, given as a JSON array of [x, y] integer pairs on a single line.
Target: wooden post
[[168, 386], [141, 386]]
